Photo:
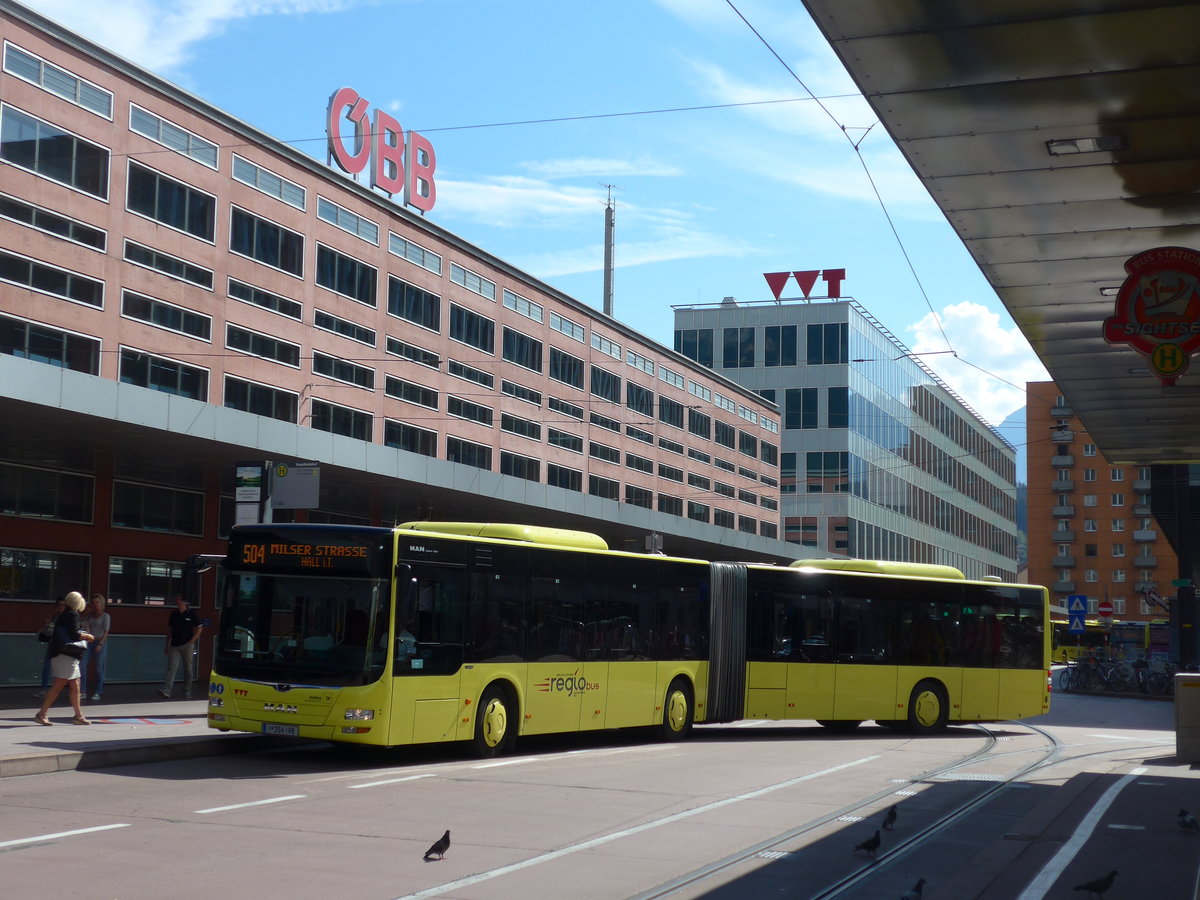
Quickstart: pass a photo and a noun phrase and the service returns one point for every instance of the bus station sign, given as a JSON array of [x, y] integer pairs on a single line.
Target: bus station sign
[[1157, 310]]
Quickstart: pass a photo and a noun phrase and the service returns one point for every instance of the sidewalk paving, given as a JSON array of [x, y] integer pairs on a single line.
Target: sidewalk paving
[[132, 724]]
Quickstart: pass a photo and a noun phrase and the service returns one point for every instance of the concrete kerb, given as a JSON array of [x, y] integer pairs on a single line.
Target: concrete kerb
[[125, 753]]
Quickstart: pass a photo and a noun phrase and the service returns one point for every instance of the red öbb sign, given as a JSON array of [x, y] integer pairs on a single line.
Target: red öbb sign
[[401, 163]]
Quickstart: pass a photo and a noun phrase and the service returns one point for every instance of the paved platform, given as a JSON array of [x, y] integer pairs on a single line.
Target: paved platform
[[131, 724]]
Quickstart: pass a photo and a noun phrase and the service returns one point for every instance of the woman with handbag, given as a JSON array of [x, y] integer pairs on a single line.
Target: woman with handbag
[[68, 645]]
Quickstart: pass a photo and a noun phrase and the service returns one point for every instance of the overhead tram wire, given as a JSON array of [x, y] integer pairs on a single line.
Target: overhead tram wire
[[866, 169], [550, 120]]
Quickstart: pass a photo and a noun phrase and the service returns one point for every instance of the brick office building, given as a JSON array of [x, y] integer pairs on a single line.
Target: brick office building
[[180, 292]]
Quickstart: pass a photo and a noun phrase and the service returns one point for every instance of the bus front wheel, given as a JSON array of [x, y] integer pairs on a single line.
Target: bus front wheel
[[494, 722], [677, 712], [928, 708]]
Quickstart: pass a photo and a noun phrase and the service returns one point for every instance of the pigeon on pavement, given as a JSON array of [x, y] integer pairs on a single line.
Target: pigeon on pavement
[[915, 893], [890, 819], [439, 848], [871, 844], [1098, 886], [1187, 821]]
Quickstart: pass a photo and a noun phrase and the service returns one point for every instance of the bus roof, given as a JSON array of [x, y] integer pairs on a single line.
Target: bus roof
[[529, 534], [882, 567]]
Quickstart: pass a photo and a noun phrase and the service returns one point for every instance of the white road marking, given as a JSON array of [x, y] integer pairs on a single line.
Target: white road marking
[[1052, 870], [570, 754], [201, 812], [390, 781], [61, 834], [626, 832], [1128, 827], [508, 762]]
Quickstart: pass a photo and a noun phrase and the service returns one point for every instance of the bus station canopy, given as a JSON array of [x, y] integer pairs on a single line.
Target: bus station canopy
[[1060, 138]]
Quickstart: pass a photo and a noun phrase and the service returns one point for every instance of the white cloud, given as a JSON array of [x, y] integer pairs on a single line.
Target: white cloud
[[598, 167], [159, 34], [993, 362], [508, 201], [683, 244]]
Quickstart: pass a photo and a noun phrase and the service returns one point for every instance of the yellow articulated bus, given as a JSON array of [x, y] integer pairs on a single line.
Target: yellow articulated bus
[[433, 632]]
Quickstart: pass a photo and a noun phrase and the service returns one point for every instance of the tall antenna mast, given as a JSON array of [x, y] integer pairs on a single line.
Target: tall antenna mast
[[610, 228]]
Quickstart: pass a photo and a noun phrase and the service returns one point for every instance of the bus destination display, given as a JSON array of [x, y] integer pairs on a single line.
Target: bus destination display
[[282, 555]]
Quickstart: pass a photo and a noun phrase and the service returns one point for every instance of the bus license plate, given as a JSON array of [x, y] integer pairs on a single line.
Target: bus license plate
[[284, 730]]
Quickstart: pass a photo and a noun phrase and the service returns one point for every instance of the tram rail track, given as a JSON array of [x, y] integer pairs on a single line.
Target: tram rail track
[[1048, 755], [1053, 752]]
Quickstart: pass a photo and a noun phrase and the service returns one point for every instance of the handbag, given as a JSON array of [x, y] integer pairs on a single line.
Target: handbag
[[47, 633], [75, 649]]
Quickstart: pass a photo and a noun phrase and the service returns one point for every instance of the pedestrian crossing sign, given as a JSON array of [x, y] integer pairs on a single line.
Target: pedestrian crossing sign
[[1076, 625], [1076, 603]]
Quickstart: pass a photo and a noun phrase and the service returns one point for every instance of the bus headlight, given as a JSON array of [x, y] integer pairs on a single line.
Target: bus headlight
[[360, 715]]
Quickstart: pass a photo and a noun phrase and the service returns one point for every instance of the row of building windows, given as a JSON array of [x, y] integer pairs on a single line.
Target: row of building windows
[[824, 344], [35, 145], [1092, 576], [1116, 549], [40, 574], [67, 496], [847, 473], [147, 370]]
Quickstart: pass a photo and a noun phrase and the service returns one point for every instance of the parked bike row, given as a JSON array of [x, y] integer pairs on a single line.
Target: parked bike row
[[1094, 673]]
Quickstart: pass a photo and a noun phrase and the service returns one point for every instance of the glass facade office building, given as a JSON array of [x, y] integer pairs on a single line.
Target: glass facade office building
[[879, 459]]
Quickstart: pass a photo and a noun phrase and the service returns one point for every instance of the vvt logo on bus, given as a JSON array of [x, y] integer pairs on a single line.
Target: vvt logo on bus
[[567, 684]]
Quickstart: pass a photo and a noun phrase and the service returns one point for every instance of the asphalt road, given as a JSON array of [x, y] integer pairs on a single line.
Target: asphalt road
[[743, 811]]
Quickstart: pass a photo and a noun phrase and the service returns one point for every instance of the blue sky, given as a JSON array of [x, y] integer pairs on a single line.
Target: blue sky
[[707, 199]]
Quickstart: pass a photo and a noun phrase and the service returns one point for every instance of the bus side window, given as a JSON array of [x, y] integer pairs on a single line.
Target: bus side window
[[865, 630]]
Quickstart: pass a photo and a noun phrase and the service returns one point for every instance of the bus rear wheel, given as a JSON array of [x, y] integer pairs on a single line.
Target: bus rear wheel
[[494, 722], [928, 708], [677, 712]]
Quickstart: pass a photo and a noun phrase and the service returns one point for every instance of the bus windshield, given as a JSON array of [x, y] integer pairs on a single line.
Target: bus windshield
[[303, 630]]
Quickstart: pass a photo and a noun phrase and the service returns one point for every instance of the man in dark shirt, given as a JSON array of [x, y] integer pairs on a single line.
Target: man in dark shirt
[[183, 630]]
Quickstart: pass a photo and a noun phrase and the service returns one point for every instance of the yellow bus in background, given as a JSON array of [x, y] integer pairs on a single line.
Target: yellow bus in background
[[1068, 647], [432, 632]]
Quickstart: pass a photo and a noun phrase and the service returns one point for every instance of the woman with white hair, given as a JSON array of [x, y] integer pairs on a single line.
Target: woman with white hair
[[64, 665]]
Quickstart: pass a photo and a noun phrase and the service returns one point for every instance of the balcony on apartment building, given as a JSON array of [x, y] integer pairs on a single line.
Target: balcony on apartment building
[[1145, 562], [1061, 411], [1061, 436], [1063, 561], [1063, 512], [1141, 485], [1140, 509], [1146, 535], [1062, 535], [1063, 487], [1063, 461], [1063, 587]]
